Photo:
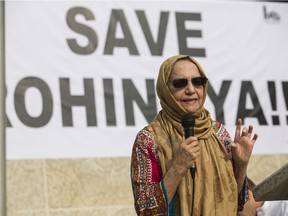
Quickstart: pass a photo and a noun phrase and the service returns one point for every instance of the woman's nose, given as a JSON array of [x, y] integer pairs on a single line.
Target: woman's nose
[[190, 87]]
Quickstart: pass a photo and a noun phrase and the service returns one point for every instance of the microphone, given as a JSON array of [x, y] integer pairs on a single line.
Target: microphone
[[188, 123]]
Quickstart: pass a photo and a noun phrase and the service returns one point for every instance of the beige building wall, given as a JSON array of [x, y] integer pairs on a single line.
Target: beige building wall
[[88, 187], [69, 187]]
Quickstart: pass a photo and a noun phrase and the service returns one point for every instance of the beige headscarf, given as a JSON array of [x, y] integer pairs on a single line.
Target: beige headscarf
[[215, 184]]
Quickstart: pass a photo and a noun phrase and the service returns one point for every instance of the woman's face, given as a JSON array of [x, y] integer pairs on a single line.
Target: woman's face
[[190, 96]]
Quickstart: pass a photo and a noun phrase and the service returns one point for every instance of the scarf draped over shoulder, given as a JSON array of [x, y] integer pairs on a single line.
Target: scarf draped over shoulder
[[215, 184]]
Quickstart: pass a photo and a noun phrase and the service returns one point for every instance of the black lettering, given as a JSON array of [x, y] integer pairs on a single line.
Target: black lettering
[[156, 47], [131, 94], [118, 17], [256, 112], [273, 94], [109, 102], [218, 100], [184, 33], [82, 29], [68, 101], [285, 93], [19, 102]]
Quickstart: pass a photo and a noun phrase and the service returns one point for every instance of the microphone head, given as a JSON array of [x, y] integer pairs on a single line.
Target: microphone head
[[188, 120]]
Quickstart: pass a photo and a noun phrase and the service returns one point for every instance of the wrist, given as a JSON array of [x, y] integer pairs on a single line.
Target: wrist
[[240, 166], [240, 170], [179, 167]]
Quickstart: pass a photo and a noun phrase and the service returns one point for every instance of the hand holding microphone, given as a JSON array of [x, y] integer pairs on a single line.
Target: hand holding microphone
[[189, 149], [188, 123]]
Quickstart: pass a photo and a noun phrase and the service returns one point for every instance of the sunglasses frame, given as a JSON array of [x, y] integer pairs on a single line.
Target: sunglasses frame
[[196, 81]]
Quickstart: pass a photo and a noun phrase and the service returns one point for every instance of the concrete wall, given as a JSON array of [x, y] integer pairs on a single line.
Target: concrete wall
[[88, 187]]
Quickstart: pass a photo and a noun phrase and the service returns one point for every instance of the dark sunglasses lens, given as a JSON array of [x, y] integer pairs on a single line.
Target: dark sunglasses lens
[[199, 81], [180, 83]]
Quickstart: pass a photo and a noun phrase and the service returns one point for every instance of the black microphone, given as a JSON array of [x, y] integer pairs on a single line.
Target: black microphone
[[188, 123]]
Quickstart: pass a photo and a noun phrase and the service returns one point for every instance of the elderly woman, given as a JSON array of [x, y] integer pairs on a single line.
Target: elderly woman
[[162, 158]]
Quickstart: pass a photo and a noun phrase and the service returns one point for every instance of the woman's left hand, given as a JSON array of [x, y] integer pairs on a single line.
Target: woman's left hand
[[243, 144]]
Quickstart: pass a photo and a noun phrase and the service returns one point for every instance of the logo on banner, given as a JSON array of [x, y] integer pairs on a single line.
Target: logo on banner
[[270, 15]]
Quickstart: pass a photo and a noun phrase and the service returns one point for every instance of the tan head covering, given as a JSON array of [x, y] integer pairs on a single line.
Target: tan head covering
[[215, 185]]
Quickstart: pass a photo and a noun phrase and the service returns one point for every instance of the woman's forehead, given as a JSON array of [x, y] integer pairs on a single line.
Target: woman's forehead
[[185, 67]]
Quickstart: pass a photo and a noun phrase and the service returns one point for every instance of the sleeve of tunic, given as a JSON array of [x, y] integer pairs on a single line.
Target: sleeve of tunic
[[148, 188], [226, 140]]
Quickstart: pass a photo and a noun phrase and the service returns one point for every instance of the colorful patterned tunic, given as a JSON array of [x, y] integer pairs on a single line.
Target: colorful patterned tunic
[[148, 188]]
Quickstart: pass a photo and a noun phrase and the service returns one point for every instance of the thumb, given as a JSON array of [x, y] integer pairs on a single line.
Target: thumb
[[233, 145]]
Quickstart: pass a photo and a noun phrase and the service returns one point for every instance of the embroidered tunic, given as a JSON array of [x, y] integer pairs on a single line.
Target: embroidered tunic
[[147, 181]]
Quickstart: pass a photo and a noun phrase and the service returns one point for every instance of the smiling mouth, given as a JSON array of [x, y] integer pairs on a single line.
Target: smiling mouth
[[189, 100]]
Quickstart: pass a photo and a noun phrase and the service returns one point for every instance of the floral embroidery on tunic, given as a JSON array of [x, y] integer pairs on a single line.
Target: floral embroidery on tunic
[[149, 192], [146, 176]]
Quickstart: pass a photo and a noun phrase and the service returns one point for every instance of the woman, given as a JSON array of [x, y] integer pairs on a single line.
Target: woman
[[162, 157]]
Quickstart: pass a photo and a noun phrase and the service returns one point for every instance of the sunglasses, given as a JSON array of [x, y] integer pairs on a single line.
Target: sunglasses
[[197, 81]]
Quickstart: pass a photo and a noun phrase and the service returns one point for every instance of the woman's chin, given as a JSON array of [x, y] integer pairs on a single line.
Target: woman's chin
[[191, 109]]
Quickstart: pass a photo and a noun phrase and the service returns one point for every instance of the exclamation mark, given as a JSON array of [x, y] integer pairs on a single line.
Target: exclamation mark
[[285, 92], [272, 93]]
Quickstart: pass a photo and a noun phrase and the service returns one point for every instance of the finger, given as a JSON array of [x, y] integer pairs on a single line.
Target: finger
[[255, 137], [238, 127], [194, 155], [196, 150], [233, 145], [244, 132], [182, 142], [193, 148], [191, 142], [191, 139], [197, 153], [250, 129], [185, 142]]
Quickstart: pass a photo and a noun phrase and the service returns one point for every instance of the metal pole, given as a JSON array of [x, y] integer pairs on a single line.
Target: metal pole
[[2, 114]]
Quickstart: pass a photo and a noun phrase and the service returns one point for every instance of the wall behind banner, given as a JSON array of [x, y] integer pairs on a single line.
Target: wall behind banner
[[88, 187], [43, 179]]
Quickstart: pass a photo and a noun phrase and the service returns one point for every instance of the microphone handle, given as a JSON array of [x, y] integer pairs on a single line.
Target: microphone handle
[[189, 131]]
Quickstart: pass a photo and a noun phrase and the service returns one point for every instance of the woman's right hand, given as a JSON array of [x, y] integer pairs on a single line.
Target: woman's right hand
[[183, 160], [188, 152]]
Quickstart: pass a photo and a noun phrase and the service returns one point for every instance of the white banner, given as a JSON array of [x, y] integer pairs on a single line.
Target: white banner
[[81, 76]]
